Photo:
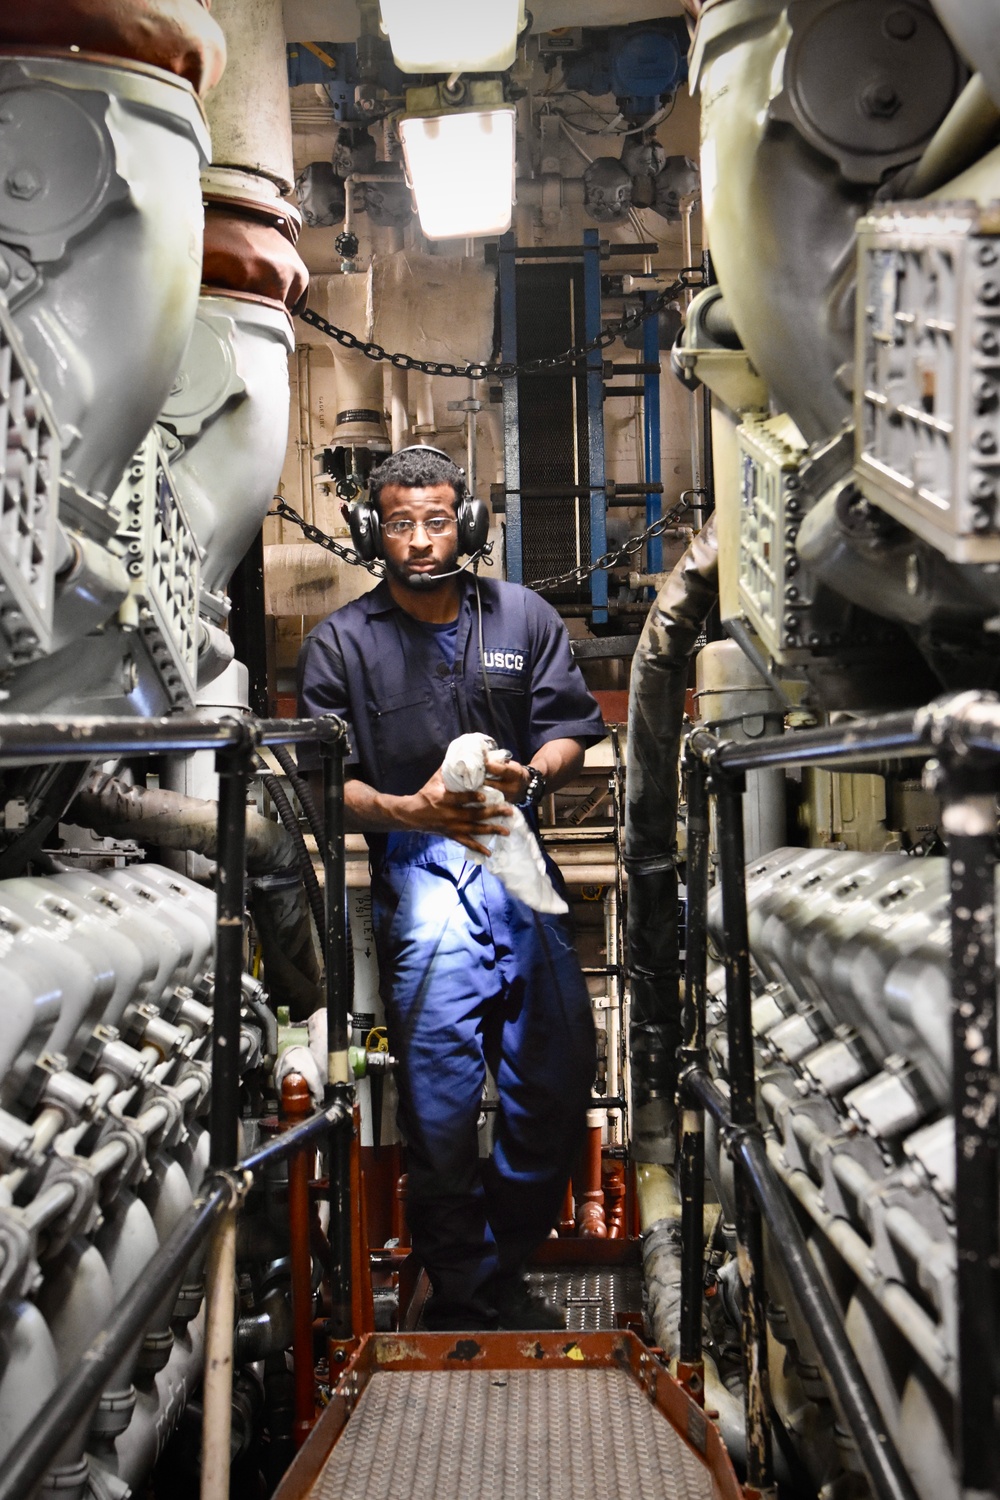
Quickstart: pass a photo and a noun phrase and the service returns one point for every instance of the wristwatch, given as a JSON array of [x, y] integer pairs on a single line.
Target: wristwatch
[[535, 790]]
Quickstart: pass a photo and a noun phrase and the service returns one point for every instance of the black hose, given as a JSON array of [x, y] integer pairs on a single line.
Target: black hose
[[660, 670], [300, 787], [286, 813], [317, 826]]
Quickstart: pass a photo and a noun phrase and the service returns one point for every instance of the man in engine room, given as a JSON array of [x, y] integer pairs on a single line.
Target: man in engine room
[[471, 977]]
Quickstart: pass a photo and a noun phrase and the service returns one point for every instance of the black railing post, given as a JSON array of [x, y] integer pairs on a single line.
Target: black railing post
[[691, 1161], [970, 826], [234, 766], [743, 1097], [340, 1087]]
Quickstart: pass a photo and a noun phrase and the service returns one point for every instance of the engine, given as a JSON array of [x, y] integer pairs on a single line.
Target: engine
[[852, 1025]]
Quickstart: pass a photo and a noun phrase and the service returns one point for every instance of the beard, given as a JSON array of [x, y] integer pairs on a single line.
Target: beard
[[422, 583]]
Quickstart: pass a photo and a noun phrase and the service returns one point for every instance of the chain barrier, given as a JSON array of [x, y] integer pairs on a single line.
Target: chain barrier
[[616, 557], [690, 276], [313, 534], [608, 560]]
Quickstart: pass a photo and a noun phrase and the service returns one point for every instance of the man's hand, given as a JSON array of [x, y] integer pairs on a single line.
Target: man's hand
[[509, 777], [462, 816]]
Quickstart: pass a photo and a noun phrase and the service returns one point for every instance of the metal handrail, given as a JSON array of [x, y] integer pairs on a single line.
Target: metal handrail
[[962, 733], [31, 1456], [87, 737], [235, 739]]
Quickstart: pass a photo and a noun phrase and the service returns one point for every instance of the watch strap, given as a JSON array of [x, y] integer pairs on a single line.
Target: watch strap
[[535, 790]]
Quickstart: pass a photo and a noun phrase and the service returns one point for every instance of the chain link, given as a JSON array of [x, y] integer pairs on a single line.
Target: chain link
[[613, 559], [313, 534], [688, 277]]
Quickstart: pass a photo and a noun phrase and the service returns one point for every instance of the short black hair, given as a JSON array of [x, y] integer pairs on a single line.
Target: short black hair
[[413, 469]]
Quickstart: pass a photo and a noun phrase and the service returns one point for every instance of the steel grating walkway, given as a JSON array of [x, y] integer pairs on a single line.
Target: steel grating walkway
[[592, 1297], [514, 1434]]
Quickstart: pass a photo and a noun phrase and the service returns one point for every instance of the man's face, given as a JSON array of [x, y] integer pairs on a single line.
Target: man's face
[[416, 555]]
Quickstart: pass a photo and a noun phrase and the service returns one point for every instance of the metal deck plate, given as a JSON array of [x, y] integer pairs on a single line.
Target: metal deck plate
[[592, 1297], [509, 1435]]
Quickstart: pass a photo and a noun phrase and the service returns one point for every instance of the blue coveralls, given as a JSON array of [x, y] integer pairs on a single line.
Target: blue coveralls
[[470, 976]]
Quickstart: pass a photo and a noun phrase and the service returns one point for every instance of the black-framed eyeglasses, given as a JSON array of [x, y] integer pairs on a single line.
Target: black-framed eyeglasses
[[404, 528]]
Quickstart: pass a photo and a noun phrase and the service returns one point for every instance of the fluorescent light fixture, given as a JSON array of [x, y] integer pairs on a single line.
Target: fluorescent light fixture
[[449, 36], [461, 168]]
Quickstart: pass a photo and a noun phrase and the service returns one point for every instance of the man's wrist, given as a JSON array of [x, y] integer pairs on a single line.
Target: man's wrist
[[535, 788]]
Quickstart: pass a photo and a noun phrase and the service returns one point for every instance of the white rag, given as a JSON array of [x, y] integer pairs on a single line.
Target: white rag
[[516, 860]]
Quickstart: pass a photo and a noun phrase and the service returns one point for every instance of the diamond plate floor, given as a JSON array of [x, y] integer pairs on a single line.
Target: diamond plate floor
[[509, 1435]]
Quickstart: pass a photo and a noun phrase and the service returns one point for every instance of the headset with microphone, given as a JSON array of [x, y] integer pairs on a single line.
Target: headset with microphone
[[473, 529], [473, 518]]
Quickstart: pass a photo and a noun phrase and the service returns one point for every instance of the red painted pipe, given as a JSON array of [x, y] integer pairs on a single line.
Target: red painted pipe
[[567, 1218], [400, 1228], [590, 1203], [295, 1104], [614, 1199]]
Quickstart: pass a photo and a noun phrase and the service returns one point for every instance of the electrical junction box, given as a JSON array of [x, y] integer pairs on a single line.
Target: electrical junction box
[[563, 39], [927, 398], [774, 591]]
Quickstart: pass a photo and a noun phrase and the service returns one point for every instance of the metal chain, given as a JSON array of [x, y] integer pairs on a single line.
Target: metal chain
[[688, 277], [613, 559], [313, 534]]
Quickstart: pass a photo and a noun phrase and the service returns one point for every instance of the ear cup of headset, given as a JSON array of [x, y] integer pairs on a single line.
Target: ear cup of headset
[[473, 525], [366, 533]]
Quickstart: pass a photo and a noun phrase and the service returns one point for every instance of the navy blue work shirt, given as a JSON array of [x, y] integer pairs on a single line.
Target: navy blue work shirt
[[382, 671]]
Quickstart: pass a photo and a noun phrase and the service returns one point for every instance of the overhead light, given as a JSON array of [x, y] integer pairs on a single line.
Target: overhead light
[[449, 36], [460, 165]]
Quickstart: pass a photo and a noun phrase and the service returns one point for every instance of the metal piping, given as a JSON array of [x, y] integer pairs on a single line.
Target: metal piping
[[340, 1087], [949, 728], [965, 133], [28, 1460], [281, 863], [970, 824], [884, 1467], [234, 768], [691, 1170], [743, 1103], [295, 1104], [656, 715], [116, 809], [217, 1387]]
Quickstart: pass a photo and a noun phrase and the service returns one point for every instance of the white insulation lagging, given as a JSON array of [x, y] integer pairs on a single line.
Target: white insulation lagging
[[109, 975]]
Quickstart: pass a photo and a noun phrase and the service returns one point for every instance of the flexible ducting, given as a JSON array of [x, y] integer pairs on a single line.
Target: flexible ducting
[[114, 809], [290, 822], [656, 715], [301, 788]]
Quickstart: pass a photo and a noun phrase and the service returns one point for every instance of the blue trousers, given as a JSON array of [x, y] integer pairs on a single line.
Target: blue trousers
[[472, 978]]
